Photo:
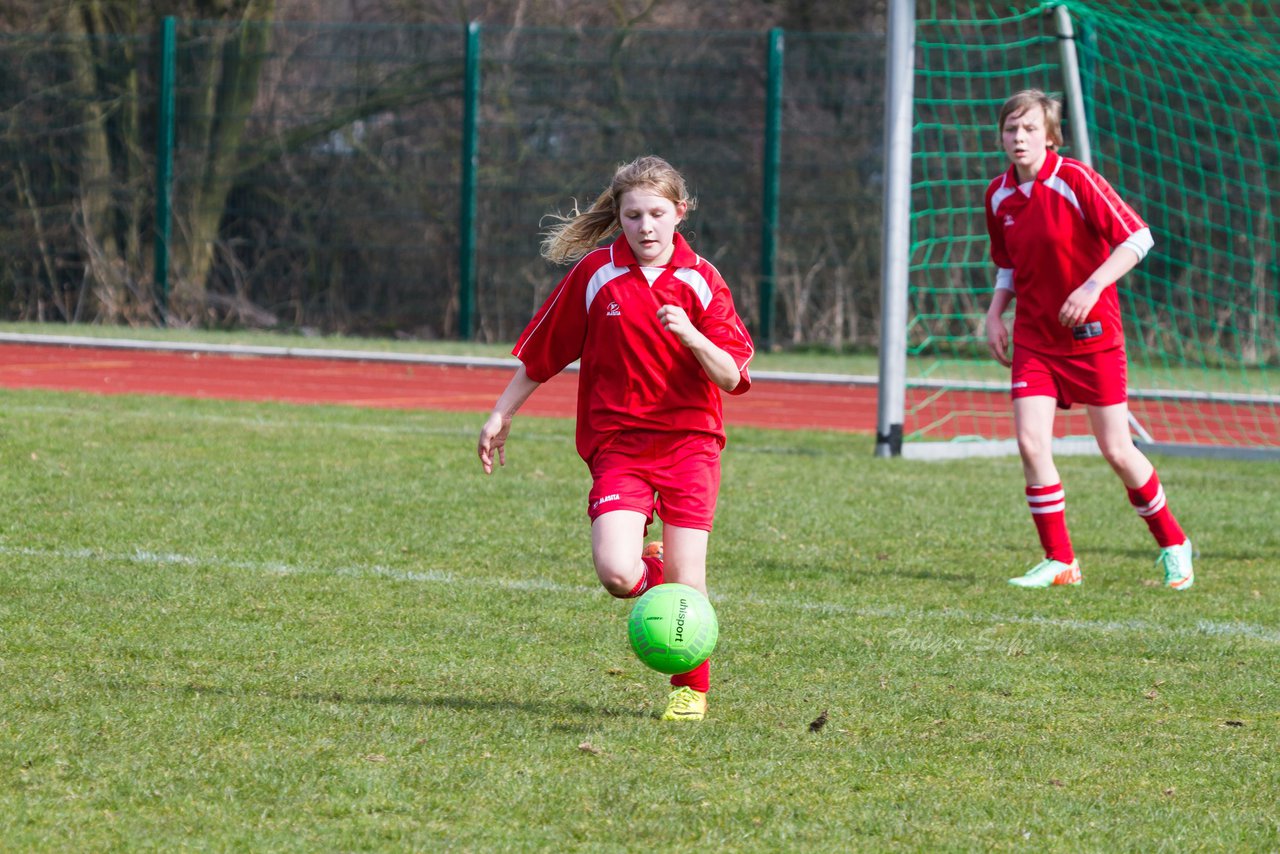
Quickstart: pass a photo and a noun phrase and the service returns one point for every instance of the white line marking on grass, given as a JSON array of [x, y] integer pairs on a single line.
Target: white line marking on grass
[[143, 556], [151, 415], [1202, 629], [274, 422]]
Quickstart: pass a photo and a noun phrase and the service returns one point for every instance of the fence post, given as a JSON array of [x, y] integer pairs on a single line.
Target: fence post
[[467, 212], [164, 163], [769, 205]]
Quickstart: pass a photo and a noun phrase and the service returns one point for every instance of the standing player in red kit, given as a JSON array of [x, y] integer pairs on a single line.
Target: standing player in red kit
[[658, 339], [1061, 237]]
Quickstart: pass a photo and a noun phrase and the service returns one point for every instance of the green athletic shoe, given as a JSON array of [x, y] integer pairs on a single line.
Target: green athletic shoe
[[1176, 561], [685, 704], [1049, 573]]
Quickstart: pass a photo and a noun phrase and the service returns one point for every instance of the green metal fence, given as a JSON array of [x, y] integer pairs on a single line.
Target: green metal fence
[[392, 179]]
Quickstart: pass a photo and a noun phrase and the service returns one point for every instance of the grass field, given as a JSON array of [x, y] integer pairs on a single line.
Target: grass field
[[264, 627]]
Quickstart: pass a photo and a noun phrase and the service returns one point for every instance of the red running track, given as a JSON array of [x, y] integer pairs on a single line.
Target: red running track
[[389, 385], [771, 403]]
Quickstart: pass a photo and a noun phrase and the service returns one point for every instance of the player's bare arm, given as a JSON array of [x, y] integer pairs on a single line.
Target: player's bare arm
[[1082, 300], [718, 364], [997, 332], [493, 435]]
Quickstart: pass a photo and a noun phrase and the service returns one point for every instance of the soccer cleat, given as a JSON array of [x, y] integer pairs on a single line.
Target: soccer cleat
[[1049, 573], [685, 704], [1176, 562], [653, 549]]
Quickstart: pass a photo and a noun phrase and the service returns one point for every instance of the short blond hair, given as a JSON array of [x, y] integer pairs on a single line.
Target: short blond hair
[[1020, 102], [578, 233]]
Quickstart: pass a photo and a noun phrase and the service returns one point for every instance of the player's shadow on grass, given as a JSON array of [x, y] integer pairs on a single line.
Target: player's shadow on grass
[[887, 567], [855, 573], [1146, 555], [541, 708], [966, 578]]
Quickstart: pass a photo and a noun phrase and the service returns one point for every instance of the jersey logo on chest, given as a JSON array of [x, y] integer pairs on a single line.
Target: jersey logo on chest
[[614, 310]]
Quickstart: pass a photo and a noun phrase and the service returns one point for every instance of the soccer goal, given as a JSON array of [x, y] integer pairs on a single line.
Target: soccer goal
[[1176, 108]]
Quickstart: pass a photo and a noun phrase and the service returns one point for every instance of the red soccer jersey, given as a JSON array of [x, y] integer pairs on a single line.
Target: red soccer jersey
[[635, 375], [1053, 240]]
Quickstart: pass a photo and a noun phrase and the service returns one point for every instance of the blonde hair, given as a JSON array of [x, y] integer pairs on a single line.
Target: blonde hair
[[578, 233], [1019, 102]]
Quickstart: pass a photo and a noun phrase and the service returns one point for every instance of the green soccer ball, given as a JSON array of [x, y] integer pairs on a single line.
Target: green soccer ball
[[673, 628]]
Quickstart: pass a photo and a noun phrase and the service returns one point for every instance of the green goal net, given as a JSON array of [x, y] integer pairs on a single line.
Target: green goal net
[[1179, 114]]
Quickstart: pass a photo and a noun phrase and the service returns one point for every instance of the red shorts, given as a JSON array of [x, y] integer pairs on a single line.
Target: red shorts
[[675, 474], [1093, 379]]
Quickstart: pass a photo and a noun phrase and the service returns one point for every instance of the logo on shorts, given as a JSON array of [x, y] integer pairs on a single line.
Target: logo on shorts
[[1019, 384], [601, 500], [615, 310]]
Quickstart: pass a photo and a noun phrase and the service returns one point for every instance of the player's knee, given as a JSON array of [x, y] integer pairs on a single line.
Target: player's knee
[[1123, 459], [618, 589], [618, 579], [1034, 448], [1120, 453], [1113, 455]]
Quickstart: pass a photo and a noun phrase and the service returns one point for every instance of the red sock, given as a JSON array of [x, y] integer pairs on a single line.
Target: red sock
[[652, 577], [699, 678], [1048, 506], [1150, 503]]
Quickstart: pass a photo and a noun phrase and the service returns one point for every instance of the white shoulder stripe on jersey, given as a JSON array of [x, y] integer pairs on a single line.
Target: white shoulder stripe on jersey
[[610, 271], [1128, 217], [999, 196], [694, 279], [600, 278], [1061, 187]]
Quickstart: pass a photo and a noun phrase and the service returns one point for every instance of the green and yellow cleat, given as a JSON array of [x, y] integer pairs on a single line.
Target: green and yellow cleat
[[1050, 573], [685, 704]]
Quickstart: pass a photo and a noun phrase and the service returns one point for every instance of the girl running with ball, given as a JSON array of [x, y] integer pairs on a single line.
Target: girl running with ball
[[654, 328]]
